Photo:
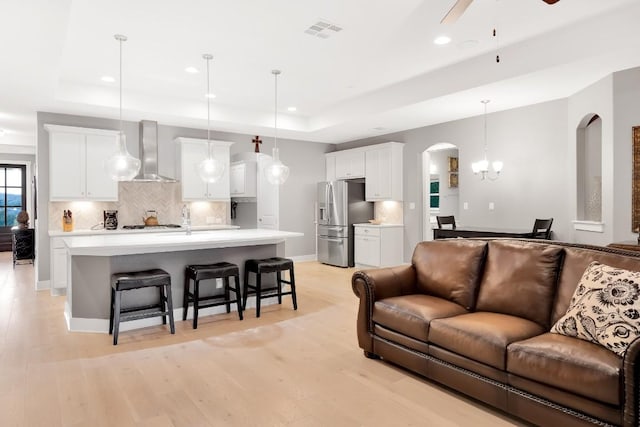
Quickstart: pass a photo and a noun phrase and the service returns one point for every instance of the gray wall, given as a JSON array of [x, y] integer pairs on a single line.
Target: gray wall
[[532, 143], [297, 195], [626, 109]]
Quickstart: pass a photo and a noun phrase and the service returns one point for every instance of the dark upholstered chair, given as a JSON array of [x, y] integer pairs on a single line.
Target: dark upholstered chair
[[542, 229], [446, 220]]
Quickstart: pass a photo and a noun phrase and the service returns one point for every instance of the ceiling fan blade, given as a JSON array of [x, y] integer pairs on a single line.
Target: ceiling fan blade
[[550, 1], [457, 10]]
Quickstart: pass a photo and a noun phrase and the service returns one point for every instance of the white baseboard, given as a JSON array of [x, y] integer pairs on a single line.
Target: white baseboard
[[303, 258], [41, 285], [58, 292], [79, 324]]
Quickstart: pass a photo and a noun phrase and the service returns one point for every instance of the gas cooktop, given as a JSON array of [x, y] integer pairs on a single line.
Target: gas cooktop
[[140, 227]]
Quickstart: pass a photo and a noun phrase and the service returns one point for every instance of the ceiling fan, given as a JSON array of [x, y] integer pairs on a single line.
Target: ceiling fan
[[461, 5]]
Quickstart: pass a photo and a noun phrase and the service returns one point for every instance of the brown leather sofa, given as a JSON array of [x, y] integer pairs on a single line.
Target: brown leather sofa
[[475, 316]]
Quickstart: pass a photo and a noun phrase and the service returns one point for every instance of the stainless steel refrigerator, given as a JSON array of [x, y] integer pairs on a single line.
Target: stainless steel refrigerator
[[340, 205]]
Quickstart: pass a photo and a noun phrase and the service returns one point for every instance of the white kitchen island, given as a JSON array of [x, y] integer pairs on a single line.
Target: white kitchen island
[[93, 259]]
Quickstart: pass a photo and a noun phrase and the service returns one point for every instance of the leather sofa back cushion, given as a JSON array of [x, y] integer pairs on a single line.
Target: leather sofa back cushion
[[576, 261], [520, 279], [450, 269]]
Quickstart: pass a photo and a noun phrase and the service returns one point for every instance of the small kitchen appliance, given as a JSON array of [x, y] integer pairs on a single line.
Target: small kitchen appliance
[[110, 219]]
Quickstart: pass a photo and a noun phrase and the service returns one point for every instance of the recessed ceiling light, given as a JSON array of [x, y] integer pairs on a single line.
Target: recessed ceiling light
[[292, 109], [107, 79], [191, 70], [210, 95], [440, 40]]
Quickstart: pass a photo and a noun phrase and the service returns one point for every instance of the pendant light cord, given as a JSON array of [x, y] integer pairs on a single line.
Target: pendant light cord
[[485, 102], [208, 101], [275, 116], [120, 78]]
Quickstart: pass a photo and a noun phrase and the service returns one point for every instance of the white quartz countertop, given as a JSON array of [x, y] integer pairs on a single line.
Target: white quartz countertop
[[130, 243], [102, 231]]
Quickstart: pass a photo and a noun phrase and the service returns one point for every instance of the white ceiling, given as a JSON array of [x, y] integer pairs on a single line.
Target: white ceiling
[[380, 74]]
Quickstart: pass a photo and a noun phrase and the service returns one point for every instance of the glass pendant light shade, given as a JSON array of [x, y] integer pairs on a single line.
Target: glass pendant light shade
[[210, 169], [122, 166], [276, 172]]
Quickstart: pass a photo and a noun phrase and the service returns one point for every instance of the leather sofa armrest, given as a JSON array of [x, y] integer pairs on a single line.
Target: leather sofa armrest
[[373, 285], [631, 384]]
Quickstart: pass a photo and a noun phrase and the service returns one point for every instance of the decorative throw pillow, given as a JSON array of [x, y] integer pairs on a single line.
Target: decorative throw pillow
[[604, 309]]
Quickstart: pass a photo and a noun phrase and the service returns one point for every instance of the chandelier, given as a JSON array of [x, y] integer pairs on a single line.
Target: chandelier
[[481, 167]]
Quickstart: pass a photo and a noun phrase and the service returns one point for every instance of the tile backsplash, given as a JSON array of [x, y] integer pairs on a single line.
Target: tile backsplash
[[134, 198], [389, 212]]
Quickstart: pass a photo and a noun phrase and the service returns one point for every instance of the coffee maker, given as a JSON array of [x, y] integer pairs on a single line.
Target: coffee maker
[[110, 219]]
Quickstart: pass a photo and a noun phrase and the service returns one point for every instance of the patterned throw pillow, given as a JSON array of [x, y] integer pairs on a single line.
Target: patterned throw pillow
[[604, 309]]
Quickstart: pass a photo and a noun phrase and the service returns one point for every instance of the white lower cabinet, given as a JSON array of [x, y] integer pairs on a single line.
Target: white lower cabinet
[[378, 245], [58, 273]]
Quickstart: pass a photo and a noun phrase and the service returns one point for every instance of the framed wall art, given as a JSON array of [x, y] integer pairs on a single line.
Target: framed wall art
[[453, 164]]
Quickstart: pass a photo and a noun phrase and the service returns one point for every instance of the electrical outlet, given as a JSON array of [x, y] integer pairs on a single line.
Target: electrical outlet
[[491, 206], [412, 205], [218, 283], [465, 206]]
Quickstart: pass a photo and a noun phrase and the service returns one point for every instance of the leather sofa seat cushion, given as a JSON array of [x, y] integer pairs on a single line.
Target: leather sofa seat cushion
[[412, 314], [520, 279], [450, 269], [570, 364], [482, 336]]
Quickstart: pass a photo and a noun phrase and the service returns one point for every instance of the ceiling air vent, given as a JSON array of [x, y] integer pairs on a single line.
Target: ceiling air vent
[[322, 29]]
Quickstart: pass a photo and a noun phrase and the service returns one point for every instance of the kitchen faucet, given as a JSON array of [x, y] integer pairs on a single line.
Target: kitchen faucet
[[186, 218]]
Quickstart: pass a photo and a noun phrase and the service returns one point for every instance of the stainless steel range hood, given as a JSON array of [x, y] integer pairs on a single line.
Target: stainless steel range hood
[[149, 154]]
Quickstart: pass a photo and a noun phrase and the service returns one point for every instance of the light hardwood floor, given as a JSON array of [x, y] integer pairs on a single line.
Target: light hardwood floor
[[293, 368]]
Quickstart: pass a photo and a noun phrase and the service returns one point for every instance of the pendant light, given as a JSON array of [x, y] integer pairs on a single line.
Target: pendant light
[[276, 172], [210, 169], [122, 166], [482, 166]]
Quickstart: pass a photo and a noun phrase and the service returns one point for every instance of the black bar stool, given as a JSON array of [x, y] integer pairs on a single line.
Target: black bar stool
[[220, 270], [269, 265], [121, 282]]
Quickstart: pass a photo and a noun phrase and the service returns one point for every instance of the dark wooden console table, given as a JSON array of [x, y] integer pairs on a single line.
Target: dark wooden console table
[[447, 233]]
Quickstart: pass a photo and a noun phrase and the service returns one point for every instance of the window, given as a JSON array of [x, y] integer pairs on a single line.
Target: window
[[434, 194], [12, 193]]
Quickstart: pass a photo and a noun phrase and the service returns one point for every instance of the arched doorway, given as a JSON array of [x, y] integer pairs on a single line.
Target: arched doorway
[[439, 185]]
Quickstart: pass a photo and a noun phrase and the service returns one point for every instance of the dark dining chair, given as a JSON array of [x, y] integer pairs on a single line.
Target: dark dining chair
[[446, 220], [542, 229]]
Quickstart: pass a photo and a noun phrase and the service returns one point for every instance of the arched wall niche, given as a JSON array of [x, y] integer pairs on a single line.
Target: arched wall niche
[[589, 169]]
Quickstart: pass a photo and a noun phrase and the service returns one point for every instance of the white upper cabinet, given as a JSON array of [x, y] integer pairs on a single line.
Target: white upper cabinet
[[191, 152], [76, 163], [350, 164], [347, 164], [383, 175], [330, 165], [242, 175]]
